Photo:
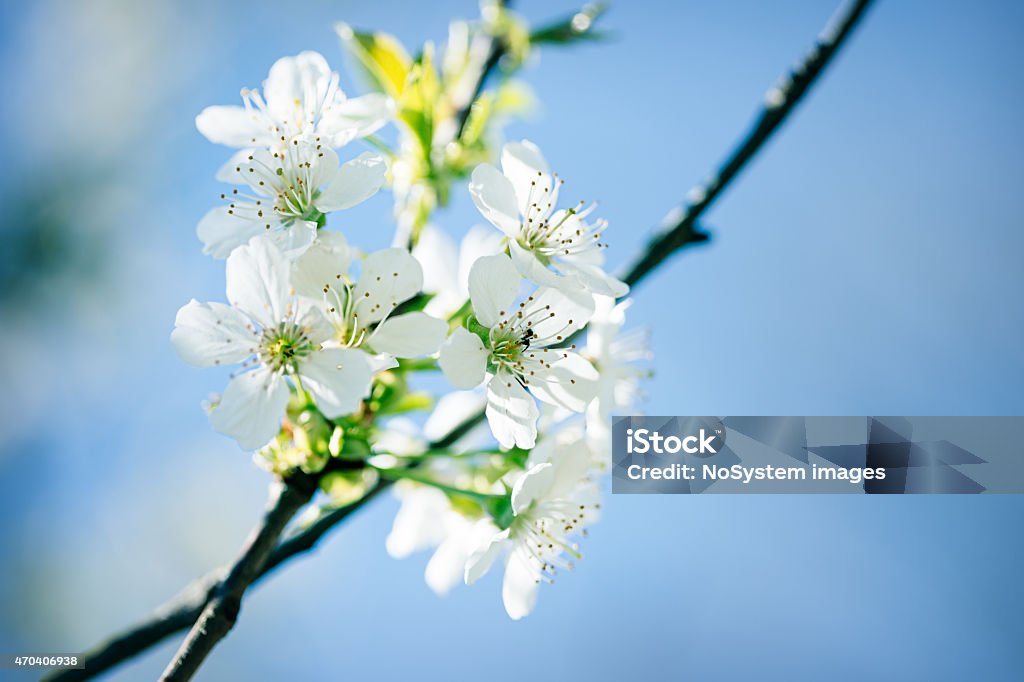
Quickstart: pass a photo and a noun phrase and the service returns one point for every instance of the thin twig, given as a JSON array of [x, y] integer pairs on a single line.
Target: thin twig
[[680, 229], [680, 225], [184, 609]]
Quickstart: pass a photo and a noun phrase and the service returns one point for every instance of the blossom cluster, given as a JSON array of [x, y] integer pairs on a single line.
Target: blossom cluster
[[331, 347]]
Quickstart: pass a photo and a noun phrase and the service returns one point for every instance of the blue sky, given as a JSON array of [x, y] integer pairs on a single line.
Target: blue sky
[[868, 262]]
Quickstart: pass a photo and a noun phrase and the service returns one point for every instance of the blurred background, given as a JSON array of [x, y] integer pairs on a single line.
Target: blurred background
[[868, 262]]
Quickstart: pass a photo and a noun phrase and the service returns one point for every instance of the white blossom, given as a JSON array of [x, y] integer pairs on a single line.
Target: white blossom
[[275, 334], [300, 98], [617, 357], [552, 503], [360, 312], [426, 520], [446, 269], [519, 350], [283, 193], [552, 247]]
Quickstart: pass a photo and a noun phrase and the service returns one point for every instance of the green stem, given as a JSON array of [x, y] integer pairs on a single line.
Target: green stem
[[416, 477]]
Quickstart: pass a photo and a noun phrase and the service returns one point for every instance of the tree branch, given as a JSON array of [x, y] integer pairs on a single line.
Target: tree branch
[[679, 230], [221, 612]]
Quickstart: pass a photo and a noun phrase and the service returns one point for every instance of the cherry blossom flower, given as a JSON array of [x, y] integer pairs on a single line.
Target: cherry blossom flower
[[276, 335], [552, 503], [284, 194], [300, 98], [555, 248], [517, 346], [360, 312]]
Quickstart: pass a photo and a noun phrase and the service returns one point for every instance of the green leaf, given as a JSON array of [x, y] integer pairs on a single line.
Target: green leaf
[[383, 59], [579, 26]]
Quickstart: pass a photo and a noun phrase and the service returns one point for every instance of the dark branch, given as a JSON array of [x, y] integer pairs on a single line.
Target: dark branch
[[221, 612], [680, 227]]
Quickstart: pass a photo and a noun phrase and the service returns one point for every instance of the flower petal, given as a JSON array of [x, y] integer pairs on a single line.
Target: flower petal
[[570, 381], [493, 286], [532, 269], [495, 198], [323, 264], [230, 171], [356, 117], [594, 279], [257, 281], [296, 86], [481, 560], [521, 585], [294, 240], [532, 485], [511, 412], [446, 567], [389, 277], [338, 379], [525, 167], [357, 181], [410, 335], [251, 408], [233, 126], [222, 232], [208, 334], [463, 359], [572, 308], [419, 523]]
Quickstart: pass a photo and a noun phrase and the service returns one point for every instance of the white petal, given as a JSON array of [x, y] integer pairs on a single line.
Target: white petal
[[572, 309], [495, 198], [511, 412], [229, 172], [532, 485], [222, 232], [456, 408], [437, 255], [532, 269], [447, 567], [323, 264], [389, 277], [356, 117], [233, 126], [208, 334], [294, 240], [520, 587], [338, 379], [481, 560], [478, 242], [571, 382], [463, 359], [493, 286], [251, 408], [295, 86], [382, 362], [357, 181], [594, 278], [410, 335], [523, 164], [257, 281], [419, 522]]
